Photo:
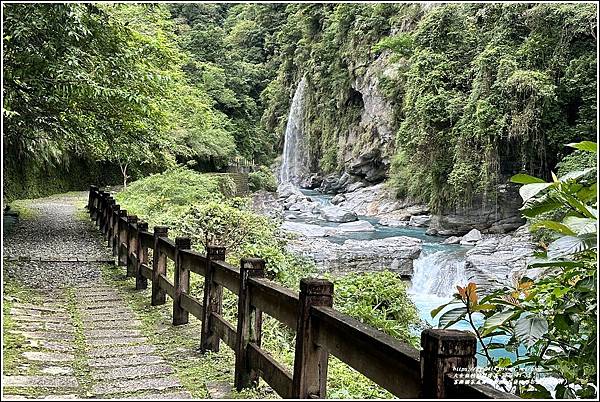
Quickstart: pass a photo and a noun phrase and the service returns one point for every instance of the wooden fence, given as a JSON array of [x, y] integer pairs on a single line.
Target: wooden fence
[[320, 329]]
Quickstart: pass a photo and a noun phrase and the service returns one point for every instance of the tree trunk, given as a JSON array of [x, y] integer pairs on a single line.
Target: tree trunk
[[124, 172]]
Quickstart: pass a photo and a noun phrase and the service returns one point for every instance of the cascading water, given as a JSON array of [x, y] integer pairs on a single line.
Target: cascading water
[[437, 273], [292, 165]]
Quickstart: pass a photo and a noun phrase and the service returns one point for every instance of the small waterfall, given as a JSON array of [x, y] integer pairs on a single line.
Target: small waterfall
[[292, 165], [438, 273]]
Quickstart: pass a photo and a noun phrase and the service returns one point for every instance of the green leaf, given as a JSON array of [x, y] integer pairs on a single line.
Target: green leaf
[[525, 179], [569, 245], [581, 225], [437, 310], [577, 174], [552, 225], [537, 206], [452, 316], [530, 329], [531, 190], [497, 320], [538, 262], [585, 146]]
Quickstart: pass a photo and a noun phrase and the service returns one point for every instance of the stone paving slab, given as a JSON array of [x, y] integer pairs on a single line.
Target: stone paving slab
[[57, 370], [27, 318], [54, 346], [101, 304], [127, 386], [46, 335], [39, 308], [109, 333], [121, 351], [48, 356], [135, 360], [124, 373], [120, 315], [116, 341], [105, 312], [112, 324], [40, 381], [47, 326], [167, 395], [37, 313]]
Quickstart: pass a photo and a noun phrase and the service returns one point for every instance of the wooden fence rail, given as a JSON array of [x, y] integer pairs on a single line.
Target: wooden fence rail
[[320, 329]]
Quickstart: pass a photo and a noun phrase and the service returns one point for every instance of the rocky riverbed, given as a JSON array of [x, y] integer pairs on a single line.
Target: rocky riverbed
[[342, 233]]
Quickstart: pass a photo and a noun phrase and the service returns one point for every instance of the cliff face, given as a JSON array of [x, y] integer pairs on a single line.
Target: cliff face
[[368, 144]]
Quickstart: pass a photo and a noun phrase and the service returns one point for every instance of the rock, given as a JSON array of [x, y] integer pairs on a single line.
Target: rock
[[452, 240], [339, 198], [396, 253], [379, 201], [355, 186], [419, 220], [387, 221], [492, 216], [312, 182], [286, 190], [471, 238], [265, 203], [306, 229], [291, 216], [357, 226], [332, 184], [336, 214], [499, 259], [431, 232]]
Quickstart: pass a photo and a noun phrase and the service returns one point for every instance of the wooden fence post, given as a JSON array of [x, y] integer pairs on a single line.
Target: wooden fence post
[[181, 281], [122, 236], [131, 244], [110, 202], [117, 237], [213, 299], [159, 266], [443, 351], [100, 209], [111, 225], [141, 282], [94, 207], [310, 362], [91, 198], [249, 323]]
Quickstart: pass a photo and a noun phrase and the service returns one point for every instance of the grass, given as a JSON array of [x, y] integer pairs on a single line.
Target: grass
[[179, 346], [14, 344]]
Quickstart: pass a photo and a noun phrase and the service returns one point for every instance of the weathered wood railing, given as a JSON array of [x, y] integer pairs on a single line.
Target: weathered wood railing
[[320, 329]]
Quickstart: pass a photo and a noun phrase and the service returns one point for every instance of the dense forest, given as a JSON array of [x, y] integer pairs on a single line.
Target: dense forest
[[445, 107], [445, 101]]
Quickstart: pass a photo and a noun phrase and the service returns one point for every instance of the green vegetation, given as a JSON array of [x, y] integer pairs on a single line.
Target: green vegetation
[[194, 205], [551, 309], [262, 179]]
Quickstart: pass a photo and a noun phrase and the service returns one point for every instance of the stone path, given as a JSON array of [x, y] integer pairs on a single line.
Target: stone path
[[79, 337]]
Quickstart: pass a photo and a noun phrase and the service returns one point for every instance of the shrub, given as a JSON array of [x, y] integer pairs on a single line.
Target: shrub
[[263, 179]]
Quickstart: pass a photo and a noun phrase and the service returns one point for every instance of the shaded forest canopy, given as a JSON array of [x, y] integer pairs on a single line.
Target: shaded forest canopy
[[479, 91]]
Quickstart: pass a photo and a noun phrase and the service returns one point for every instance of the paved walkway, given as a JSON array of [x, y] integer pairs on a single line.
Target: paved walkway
[[79, 338]]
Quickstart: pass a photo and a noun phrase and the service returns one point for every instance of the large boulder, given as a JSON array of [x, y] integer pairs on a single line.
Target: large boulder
[[496, 260], [313, 181], [338, 199], [335, 214], [286, 190], [419, 220], [394, 253], [305, 229], [356, 226], [498, 216], [471, 238]]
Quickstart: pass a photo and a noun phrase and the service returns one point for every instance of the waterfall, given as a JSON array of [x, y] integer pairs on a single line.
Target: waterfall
[[292, 165], [438, 273]]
